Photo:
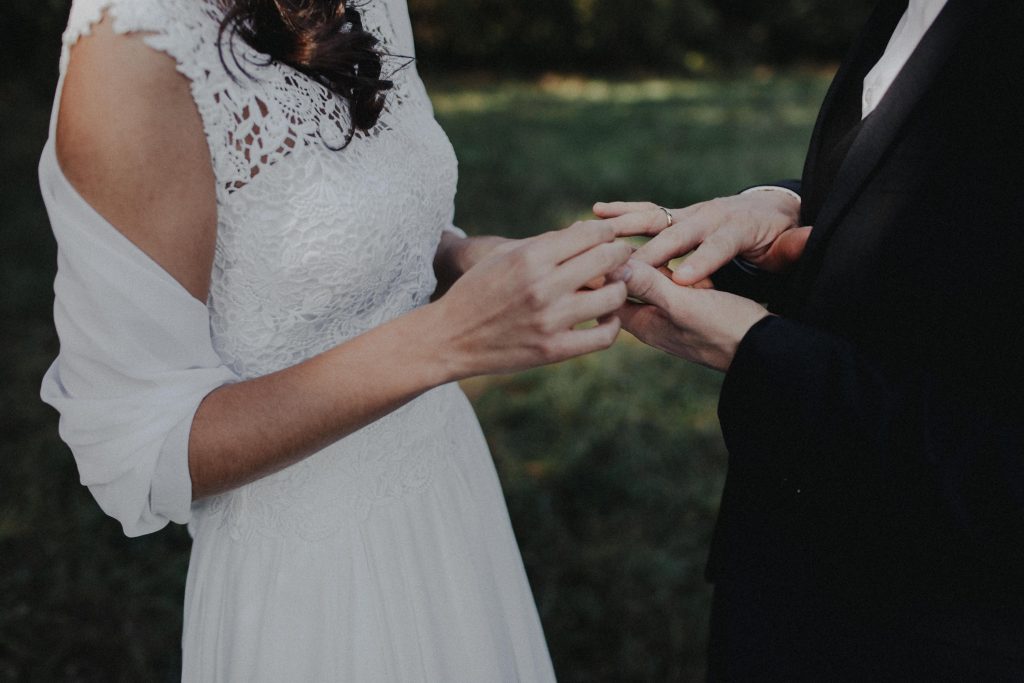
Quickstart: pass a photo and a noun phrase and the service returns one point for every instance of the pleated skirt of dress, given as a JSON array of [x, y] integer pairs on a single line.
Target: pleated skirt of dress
[[422, 583]]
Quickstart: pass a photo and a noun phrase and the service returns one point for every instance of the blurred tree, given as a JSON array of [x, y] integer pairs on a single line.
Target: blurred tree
[[650, 35], [555, 35], [29, 42], [789, 31]]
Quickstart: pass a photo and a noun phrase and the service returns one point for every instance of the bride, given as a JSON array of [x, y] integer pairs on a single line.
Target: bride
[[252, 222]]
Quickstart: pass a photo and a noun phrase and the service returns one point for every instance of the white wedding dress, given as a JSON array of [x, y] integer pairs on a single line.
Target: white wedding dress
[[387, 556]]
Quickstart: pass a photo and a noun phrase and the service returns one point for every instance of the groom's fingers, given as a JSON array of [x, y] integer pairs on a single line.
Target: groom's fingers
[[561, 245], [704, 226], [643, 321], [672, 243], [614, 209], [648, 285], [718, 249], [722, 246], [651, 221], [633, 316]]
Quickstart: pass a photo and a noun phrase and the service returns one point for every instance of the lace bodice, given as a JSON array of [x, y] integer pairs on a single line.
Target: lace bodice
[[387, 555], [314, 245]]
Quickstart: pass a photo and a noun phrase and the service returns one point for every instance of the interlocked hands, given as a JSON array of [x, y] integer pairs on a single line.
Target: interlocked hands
[[519, 302], [682, 314]]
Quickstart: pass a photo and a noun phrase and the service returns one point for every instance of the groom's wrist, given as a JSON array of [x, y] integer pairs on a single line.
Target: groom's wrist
[[785, 188], [793, 187], [775, 188]]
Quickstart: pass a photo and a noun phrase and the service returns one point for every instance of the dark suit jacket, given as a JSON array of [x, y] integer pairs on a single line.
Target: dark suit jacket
[[872, 524]]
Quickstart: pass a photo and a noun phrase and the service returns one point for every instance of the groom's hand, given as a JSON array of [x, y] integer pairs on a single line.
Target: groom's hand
[[760, 227], [700, 325]]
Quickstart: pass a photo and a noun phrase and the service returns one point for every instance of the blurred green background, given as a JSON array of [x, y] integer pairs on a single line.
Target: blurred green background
[[612, 464]]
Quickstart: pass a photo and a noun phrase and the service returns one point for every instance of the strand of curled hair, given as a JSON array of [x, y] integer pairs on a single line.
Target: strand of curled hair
[[323, 39]]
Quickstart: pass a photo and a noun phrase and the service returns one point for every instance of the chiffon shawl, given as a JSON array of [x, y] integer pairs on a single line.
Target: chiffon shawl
[[136, 360]]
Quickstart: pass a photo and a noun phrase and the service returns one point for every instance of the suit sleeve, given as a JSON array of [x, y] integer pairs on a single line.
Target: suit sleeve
[[832, 425]]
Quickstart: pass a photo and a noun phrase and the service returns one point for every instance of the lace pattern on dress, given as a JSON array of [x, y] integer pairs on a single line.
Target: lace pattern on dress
[[394, 457], [248, 128], [314, 246]]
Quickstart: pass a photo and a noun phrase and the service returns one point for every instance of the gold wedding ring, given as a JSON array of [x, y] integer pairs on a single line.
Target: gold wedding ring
[[668, 215]]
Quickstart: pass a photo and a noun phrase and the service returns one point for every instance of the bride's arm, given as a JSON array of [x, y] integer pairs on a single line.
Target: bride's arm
[[131, 141]]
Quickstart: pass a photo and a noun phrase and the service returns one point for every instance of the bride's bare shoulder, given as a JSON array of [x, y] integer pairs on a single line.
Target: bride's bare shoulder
[[130, 140]]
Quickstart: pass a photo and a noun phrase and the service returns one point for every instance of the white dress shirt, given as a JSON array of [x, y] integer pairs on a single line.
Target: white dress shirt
[[908, 34]]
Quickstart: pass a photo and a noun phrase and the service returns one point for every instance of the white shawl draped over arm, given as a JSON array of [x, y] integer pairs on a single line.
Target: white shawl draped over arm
[[136, 359]]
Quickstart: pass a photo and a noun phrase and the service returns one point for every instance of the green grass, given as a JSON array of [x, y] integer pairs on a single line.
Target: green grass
[[536, 156], [612, 464]]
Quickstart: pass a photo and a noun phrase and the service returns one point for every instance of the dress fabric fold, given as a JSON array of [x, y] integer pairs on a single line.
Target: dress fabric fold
[[387, 555], [136, 360]]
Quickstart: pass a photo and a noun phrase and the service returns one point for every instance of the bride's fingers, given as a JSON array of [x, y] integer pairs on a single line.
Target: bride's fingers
[[597, 262], [591, 305], [562, 245], [578, 342], [614, 209]]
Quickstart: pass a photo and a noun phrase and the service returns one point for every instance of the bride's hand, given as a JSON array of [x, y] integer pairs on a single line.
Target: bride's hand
[[517, 308]]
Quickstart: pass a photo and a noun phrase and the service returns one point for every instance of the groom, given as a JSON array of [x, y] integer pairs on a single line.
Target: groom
[[872, 524]]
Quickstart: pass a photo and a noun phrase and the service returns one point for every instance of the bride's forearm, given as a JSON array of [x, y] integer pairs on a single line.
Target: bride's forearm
[[245, 431], [518, 310]]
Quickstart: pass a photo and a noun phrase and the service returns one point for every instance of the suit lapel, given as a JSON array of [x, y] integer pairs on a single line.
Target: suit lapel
[[882, 127], [840, 110]]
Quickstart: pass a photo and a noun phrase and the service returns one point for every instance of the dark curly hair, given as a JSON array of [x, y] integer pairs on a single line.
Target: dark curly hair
[[323, 39]]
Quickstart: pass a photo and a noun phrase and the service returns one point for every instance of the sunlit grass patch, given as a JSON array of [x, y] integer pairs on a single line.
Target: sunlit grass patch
[[537, 155]]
